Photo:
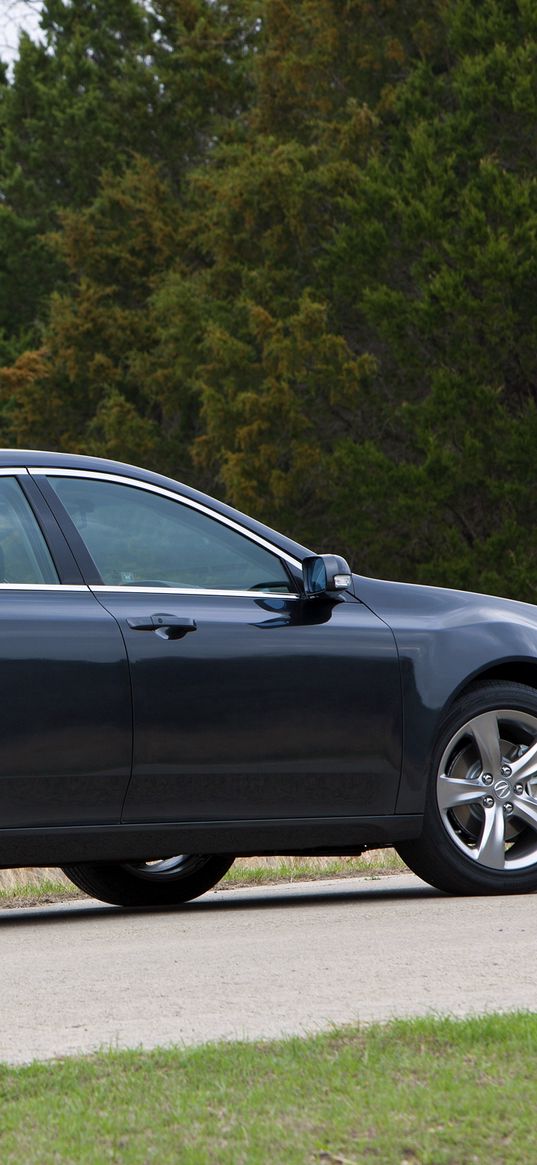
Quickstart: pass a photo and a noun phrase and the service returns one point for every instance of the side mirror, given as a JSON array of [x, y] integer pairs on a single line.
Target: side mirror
[[323, 573]]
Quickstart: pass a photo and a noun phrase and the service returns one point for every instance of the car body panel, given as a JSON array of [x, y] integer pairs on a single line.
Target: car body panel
[[301, 836], [446, 640], [274, 707], [65, 744]]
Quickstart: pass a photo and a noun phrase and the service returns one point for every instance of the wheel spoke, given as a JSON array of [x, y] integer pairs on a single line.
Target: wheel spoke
[[486, 792], [526, 810], [486, 733], [453, 791], [525, 768], [491, 849]]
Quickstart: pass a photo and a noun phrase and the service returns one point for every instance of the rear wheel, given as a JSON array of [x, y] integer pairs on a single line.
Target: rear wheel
[[160, 882], [480, 823]]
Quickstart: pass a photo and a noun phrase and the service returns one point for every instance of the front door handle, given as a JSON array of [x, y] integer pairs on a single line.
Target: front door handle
[[174, 625]]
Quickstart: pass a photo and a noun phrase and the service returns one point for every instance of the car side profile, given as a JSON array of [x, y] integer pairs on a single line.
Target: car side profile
[[181, 685]]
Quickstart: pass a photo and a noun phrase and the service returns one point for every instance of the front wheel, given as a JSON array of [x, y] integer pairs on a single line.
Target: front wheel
[[161, 882], [480, 822]]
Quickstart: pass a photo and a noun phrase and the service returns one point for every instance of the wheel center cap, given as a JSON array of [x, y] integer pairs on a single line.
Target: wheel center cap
[[502, 789]]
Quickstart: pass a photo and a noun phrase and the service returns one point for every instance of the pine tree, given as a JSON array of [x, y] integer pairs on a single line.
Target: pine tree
[[298, 269], [282, 376], [136, 98], [450, 301]]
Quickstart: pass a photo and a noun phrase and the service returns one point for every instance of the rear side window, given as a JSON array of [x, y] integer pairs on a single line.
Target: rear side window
[[24, 556], [140, 538]]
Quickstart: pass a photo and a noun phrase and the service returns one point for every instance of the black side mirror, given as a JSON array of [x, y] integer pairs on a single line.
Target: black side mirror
[[323, 573]]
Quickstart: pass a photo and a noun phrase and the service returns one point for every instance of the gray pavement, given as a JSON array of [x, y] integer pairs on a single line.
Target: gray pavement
[[257, 963]]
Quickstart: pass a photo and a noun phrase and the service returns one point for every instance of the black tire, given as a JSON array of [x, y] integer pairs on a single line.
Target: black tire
[[461, 845], [167, 882]]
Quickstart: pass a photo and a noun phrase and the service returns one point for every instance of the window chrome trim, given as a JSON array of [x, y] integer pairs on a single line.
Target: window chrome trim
[[101, 588], [13, 471], [98, 475], [9, 586]]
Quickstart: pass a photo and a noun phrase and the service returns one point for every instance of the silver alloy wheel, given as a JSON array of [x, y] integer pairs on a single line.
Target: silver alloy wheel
[[487, 789], [167, 869]]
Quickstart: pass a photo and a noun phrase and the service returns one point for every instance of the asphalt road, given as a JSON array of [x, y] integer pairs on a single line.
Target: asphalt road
[[257, 963]]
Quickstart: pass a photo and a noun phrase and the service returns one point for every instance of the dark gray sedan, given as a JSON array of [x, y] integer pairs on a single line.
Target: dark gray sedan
[[177, 677]]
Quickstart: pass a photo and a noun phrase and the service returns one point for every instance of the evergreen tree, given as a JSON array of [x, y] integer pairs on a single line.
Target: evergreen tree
[[450, 301], [112, 78], [292, 250], [281, 376], [136, 99], [79, 101]]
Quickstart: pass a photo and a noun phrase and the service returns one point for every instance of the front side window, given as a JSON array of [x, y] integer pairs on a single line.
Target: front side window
[[139, 538], [24, 556]]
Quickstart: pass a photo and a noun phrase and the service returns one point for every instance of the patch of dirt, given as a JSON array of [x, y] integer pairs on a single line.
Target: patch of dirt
[[19, 901]]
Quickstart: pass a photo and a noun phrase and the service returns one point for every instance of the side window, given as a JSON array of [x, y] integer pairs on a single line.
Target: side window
[[24, 556], [139, 538]]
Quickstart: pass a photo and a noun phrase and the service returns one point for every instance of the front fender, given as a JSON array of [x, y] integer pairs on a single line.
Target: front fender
[[445, 639]]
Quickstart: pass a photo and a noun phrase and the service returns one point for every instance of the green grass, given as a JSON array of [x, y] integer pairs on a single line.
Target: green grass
[[34, 887], [256, 872], [37, 893], [30, 889], [422, 1092]]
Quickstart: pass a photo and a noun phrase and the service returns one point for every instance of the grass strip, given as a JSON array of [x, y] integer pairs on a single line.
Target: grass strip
[[29, 889], [420, 1092], [37, 893], [250, 873]]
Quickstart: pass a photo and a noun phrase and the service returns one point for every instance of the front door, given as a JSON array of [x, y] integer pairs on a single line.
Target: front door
[[250, 702]]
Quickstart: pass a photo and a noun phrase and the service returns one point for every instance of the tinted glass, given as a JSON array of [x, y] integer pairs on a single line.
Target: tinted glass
[[24, 557], [138, 538]]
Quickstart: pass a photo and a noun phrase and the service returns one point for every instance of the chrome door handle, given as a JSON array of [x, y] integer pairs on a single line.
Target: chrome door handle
[[176, 625]]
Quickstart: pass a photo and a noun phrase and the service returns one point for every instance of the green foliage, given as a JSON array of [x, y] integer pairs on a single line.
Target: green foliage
[[289, 252], [453, 317], [111, 79]]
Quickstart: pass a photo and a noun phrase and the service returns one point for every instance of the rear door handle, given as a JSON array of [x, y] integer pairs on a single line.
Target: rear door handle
[[175, 625]]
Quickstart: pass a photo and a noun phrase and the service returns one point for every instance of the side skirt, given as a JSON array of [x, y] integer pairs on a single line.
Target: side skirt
[[118, 843]]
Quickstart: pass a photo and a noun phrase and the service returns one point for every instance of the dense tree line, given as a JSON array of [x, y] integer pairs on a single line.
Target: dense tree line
[[287, 251]]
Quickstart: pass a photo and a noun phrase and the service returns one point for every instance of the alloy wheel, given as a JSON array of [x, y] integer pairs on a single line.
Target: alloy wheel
[[486, 789], [166, 869]]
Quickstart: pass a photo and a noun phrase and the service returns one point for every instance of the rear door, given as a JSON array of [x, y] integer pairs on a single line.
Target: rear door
[[65, 706]]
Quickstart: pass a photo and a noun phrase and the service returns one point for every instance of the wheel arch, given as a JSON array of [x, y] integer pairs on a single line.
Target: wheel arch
[[441, 855], [415, 770], [517, 671]]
